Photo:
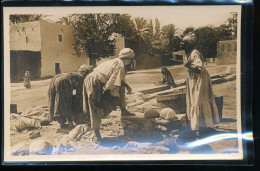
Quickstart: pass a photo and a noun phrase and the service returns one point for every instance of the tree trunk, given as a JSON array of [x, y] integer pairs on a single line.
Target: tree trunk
[[92, 61]]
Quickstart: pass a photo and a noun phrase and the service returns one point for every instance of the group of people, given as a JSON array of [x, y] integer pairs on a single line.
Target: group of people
[[103, 89]]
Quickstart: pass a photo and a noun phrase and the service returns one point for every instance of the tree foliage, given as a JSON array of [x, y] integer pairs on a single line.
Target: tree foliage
[[92, 35], [171, 41], [66, 21], [18, 18], [188, 30], [207, 38]]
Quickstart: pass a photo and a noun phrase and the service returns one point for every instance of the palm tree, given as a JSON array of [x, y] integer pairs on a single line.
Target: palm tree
[[17, 18], [169, 37], [157, 29], [66, 21], [142, 29]]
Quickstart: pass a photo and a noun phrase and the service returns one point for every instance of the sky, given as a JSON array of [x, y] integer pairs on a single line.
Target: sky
[[181, 16]]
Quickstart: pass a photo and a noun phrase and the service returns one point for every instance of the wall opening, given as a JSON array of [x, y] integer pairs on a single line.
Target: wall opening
[[60, 37], [57, 68], [21, 61]]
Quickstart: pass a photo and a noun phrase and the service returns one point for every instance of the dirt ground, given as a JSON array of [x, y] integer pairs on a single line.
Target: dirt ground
[[37, 96]]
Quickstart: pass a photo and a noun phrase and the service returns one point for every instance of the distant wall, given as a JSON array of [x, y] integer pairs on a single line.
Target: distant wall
[[54, 51], [144, 61], [227, 52], [25, 36], [119, 45]]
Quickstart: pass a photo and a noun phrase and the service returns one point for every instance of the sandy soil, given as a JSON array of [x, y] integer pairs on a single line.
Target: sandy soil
[[37, 96]]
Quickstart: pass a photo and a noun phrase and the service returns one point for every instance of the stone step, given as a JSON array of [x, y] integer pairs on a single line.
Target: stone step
[[224, 79], [154, 89], [180, 89], [216, 79]]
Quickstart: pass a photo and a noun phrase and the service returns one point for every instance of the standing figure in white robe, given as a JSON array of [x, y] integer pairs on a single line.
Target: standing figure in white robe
[[201, 106]]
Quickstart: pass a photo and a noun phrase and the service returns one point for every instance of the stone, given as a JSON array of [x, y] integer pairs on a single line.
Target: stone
[[161, 128], [35, 135], [154, 89], [169, 143], [131, 144], [34, 113], [135, 103], [147, 126], [65, 144], [160, 121], [161, 149], [175, 101], [44, 119], [45, 106], [230, 77], [40, 147], [218, 80], [116, 148], [20, 149], [151, 113], [14, 116], [167, 113], [23, 122], [78, 131], [133, 127]]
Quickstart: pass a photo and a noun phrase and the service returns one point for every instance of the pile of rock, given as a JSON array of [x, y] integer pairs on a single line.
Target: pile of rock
[[168, 145], [65, 143], [138, 102], [151, 123], [32, 118]]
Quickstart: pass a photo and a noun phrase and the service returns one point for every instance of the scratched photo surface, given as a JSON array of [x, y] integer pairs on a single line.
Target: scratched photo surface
[[122, 83]]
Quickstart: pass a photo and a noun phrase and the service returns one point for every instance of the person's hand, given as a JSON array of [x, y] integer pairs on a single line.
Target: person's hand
[[129, 90]]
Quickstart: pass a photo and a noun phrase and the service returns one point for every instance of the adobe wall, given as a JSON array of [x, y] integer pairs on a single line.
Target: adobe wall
[[54, 51], [19, 32], [227, 52]]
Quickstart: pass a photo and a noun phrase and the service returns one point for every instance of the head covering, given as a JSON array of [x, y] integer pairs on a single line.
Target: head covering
[[126, 53], [189, 38], [84, 68]]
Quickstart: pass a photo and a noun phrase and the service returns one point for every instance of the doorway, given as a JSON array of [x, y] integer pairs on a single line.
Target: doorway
[[57, 68]]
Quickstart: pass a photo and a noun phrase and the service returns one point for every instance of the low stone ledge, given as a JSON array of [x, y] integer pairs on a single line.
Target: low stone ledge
[[154, 89]]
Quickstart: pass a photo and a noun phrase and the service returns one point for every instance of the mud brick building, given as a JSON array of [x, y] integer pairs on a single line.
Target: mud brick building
[[227, 52], [42, 48]]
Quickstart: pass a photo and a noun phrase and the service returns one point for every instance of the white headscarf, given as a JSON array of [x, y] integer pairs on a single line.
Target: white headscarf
[[126, 53]]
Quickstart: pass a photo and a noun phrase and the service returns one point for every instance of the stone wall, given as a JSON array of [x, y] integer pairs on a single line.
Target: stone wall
[[139, 125], [227, 52]]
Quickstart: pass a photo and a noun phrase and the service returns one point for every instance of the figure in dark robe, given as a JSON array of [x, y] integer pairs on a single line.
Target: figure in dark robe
[[60, 94], [166, 77]]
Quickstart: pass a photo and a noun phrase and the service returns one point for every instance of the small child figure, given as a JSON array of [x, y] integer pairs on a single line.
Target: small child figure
[[166, 77], [26, 82]]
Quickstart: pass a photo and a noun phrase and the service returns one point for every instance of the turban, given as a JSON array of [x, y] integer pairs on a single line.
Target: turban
[[84, 68], [189, 38], [126, 53]]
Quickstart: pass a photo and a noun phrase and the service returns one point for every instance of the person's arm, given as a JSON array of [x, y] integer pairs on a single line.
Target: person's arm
[[194, 64], [129, 89]]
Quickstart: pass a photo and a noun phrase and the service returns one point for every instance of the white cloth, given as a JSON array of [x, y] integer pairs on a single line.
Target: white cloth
[[111, 73]]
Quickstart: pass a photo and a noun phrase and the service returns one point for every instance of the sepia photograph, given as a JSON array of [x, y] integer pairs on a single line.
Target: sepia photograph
[[122, 83]]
